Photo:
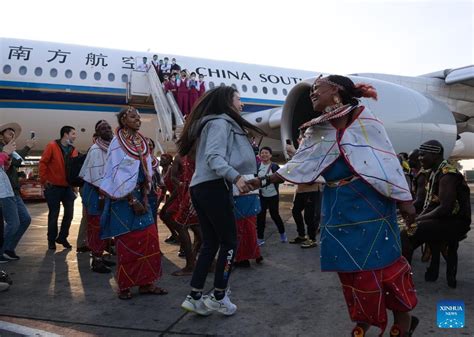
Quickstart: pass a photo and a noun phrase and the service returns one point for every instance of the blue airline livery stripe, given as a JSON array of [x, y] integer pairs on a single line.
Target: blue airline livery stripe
[[62, 106], [107, 90], [50, 86], [93, 107]]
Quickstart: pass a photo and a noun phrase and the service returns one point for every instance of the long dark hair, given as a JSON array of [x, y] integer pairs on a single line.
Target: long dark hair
[[214, 102]]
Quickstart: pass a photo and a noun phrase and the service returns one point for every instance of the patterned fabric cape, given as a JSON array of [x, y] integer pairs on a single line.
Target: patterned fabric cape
[[121, 171], [365, 147], [92, 170]]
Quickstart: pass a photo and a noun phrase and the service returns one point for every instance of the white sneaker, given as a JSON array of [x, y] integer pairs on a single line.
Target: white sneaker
[[196, 306], [224, 306], [283, 238]]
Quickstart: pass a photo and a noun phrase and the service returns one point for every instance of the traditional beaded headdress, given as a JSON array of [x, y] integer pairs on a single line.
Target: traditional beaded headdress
[[99, 124], [326, 80]]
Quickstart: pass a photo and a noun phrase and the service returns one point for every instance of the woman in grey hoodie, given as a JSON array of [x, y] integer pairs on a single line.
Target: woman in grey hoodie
[[217, 133]]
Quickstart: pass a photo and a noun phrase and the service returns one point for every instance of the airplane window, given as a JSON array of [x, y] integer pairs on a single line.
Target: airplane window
[[97, 76], [124, 78], [111, 77], [222, 84], [211, 85], [244, 88], [68, 73], [83, 75], [38, 71], [275, 91], [254, 89], [284, 91], [265, 90], [234, 86], [22, 70], [53, 72], [7, 69]]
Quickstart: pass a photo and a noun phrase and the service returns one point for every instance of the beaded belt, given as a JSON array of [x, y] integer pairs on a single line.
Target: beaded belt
[[342, 182]]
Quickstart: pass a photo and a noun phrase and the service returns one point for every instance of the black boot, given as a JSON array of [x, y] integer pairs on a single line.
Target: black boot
[[98, 266]]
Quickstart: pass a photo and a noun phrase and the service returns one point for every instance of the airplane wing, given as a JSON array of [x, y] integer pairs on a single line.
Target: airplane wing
[[463, 75]]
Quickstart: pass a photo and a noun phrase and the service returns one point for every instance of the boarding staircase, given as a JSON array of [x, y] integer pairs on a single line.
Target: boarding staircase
[[170, 121]]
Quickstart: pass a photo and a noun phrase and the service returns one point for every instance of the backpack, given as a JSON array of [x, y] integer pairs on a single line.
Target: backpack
[[73, 167]]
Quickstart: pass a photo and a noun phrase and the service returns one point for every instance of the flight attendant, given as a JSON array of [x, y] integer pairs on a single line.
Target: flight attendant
[[183, 93]]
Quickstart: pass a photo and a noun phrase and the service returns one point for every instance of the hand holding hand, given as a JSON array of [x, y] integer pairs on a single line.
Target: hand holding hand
[[242, 185], [254, 184]]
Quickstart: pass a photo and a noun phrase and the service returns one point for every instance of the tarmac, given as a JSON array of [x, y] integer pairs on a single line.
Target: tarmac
[[56, 294]]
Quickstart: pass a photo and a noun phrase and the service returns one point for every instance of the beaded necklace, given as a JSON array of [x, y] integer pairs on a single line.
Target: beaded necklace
[[134, 145], [102, 144], [336, 113]]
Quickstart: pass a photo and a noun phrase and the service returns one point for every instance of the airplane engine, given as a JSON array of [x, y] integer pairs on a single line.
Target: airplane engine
[[409, 117]]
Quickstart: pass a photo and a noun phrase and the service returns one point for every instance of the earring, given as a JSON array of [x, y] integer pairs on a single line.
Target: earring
[[336, 99]]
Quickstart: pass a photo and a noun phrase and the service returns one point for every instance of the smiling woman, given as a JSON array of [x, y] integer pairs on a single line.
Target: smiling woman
[[127, 215]]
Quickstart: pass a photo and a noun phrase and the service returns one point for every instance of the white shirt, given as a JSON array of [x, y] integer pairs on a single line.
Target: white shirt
[[166, 68], [270, 190], [143, 67]]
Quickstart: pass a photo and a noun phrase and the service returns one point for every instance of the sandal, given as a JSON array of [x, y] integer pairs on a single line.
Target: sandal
[[396, 331], [152, 290], [125, 294], [358, 332]]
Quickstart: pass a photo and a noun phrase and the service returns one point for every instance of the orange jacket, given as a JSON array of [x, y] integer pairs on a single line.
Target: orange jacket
[[52, 168]]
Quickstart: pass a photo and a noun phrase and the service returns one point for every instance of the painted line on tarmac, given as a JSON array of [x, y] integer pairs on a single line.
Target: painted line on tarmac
[[25, 331]]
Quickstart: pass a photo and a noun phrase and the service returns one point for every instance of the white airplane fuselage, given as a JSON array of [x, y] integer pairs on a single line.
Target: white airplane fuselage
[[45, 85]]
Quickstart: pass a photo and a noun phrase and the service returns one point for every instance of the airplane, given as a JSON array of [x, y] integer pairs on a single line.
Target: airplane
[[45, 85]]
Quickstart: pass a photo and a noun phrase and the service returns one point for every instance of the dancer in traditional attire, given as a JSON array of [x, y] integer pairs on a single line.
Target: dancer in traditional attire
[[186, 216], [92, 172], [360, 239], [127, 215], [166, 161]]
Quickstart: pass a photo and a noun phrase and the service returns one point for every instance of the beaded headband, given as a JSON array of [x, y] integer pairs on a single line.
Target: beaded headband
[[103, 121], [431, 148], [321, 79]]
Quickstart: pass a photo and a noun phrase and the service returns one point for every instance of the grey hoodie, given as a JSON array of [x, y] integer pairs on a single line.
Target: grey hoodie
[[223, 150]]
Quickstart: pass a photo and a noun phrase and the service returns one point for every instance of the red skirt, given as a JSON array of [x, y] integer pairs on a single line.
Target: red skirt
[[138, 258], [369, 294], [247, 247], [186, 213], [94, 242]]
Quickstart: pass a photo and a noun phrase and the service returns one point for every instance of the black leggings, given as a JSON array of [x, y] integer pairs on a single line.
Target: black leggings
[[435, 232], [310, 203], [270, 203], [214, 206]]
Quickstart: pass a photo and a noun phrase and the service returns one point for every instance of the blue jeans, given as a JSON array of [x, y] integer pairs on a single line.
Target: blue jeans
[[55, 195], [17, 220]]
